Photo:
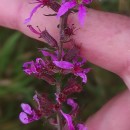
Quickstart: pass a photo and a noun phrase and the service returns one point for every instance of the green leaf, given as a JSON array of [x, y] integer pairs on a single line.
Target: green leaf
[[7, 50]]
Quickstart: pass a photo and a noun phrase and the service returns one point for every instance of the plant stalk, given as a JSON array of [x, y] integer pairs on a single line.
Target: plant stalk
[[59, 119], [63, 25]]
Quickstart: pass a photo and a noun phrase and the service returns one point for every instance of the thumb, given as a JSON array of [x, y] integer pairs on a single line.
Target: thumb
[[115, 115]]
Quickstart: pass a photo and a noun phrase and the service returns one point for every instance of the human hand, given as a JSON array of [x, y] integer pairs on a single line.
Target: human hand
[[104, 41]]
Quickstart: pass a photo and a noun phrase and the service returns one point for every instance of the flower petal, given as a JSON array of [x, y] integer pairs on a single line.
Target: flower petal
[[86, 70], [72, 103], [57, 52], [63, 64], [35, 97], [40, 61], [82, 14], [81, 63], [33, 29], [68, 120], [32, 12], [65, 7], [49, 54], [24, 118], [26, 108], [33, 68], [81, 127], [87, 1], [83, 76], [27, 67], [35, 116]]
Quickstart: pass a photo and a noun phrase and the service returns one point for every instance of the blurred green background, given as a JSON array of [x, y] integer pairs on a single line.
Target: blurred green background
[[16, 87]]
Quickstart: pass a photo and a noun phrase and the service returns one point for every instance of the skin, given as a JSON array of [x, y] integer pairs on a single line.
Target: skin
[[104, 41]]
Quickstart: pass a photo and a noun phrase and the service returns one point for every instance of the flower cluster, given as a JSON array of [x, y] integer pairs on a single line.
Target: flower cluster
[[57, 60], [47, 67], [67, 5], [41, 3], [45, 108]]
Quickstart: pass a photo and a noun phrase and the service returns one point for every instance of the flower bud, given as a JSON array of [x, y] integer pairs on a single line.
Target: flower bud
[[55, 6], [48, 38]]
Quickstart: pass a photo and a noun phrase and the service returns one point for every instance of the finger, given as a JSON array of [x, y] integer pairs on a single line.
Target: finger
[[115, 115], [104, 38], [9, 13]]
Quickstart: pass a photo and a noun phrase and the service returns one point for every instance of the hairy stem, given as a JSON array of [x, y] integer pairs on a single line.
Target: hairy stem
[[63, 25], [59, 119]]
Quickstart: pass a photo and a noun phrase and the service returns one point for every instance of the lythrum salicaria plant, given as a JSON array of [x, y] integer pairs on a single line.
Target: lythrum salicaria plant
[[57, 62]]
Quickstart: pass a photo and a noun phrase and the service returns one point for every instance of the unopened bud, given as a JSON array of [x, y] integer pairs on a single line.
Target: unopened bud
[[48, 38], [71, 53], [45, 35], [55, 6], [75, 88], [48, 78]]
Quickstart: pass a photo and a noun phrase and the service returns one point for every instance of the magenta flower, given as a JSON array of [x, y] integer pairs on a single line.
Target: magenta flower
[[40, 69], [69, 119], [73, 3], [28, 115], [44, 105], [75, 68], [41, 3], [70, 125], [52, 55], [81, 127], [34, 67], [44, 108], [45, 35], [73, 104]]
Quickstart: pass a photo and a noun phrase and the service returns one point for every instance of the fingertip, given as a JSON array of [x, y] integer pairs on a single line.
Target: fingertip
[[114, 115]]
